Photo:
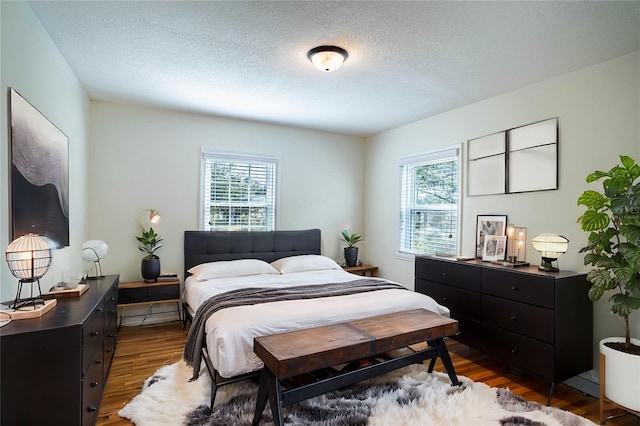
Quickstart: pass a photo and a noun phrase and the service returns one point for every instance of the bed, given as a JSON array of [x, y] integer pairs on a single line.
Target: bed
[[289, 285]]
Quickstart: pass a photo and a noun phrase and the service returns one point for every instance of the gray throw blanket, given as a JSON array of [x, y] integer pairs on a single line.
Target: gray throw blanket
[[253, 295]]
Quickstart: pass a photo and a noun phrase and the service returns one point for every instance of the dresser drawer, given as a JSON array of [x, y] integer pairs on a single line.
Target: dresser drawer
[[92, 386], [148, 294], [532, 289], [459, 301], [529, 320], [530, 354], [450, 273], [92, 336]]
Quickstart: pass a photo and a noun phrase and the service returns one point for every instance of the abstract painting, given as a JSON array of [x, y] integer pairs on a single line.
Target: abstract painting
[[39, 174]]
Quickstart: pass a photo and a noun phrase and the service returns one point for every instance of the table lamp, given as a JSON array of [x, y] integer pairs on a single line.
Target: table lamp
[[93, 251], [551, 247], [28, 257]]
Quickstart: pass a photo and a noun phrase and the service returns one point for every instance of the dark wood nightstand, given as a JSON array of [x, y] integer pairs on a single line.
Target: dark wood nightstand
[[142, 293], [364, 270]]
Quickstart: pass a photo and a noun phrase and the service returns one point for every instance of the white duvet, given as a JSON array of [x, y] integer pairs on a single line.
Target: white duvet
[[230, 331]]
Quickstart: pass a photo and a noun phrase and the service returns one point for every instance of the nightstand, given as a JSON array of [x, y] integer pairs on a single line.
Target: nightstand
[[136, 293], [364, 270]]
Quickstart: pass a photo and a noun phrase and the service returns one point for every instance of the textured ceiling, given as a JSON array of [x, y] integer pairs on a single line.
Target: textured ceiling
[[407, 60]]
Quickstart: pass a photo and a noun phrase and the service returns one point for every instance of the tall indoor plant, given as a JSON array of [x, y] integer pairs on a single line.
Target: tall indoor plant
[[149, 243], [351, 251], [612, 219]]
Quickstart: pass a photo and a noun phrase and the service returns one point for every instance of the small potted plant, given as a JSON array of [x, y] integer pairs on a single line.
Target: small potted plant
[[612, 219], [149, 243], [351, 251]]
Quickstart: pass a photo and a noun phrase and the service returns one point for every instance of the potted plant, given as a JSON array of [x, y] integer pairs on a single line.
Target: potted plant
[[149, 243], [351, 251], [612, 219]]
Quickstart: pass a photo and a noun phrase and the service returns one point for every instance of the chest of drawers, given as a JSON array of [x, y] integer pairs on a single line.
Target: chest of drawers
[[541, 322], [53, 368]]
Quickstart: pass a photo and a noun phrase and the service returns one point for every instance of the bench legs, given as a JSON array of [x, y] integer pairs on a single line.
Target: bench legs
[[270, 387]]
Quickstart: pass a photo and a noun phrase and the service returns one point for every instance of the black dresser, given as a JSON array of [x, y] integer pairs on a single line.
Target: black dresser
[[541, 322], [53, 368]]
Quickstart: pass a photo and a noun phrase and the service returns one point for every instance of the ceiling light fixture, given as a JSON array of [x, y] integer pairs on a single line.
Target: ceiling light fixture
[[327, 58]]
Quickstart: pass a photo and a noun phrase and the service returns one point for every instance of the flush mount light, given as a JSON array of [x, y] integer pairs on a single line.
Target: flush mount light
[[327, 58]]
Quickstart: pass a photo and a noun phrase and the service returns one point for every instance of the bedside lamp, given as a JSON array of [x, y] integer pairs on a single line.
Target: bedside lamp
[[148, 218], [28, 257], [93, 251], [551, 247]]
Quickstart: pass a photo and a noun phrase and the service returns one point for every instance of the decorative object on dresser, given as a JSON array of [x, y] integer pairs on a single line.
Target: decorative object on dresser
[[351, 251], [28, 257], [93, 251], [537, 321], [149, 243], [495, 247], [613, 249], [54, 367], [488, 225], [516, 246], [551, 247], [137, 293]]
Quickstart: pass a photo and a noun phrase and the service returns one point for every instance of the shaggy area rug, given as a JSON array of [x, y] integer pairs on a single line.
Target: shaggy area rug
[[408, 396]]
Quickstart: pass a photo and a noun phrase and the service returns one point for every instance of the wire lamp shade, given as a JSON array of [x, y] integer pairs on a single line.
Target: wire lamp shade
[[29, 257], [93, 251]]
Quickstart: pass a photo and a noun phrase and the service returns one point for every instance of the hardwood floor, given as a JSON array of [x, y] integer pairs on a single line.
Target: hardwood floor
[[142, 350]]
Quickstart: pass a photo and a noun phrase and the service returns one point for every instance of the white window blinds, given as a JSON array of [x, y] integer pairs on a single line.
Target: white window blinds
[[429, 199], [239, 192]]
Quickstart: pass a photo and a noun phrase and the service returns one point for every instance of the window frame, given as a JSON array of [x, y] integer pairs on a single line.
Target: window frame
[[225, 156], [425, 157]]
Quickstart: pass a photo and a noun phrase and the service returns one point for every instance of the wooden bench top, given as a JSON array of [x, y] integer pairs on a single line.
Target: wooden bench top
[[296, 352]]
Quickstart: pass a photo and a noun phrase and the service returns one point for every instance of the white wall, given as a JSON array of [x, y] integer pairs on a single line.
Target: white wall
[[31, 64], [598, 110], [145, 158]]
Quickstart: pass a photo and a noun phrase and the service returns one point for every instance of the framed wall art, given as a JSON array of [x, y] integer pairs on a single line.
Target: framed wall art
[[495, 247], [489, 225], [39, 174]]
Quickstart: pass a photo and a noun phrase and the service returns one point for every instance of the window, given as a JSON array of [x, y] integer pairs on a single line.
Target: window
[[238, 192], [429, 199]]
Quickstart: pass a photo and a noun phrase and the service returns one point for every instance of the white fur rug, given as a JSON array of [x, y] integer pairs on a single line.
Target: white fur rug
[[409, 396]]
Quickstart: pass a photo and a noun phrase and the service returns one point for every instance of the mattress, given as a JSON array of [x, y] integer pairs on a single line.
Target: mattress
[[230, 332]]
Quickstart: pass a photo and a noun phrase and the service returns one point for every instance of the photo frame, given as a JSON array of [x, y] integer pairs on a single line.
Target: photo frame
[[488, 225], [39, 188], [495, 248]]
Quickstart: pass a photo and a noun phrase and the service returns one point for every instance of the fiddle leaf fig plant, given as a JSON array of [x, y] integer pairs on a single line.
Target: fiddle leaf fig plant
[[612, 219], [351, 239], [149, 243]]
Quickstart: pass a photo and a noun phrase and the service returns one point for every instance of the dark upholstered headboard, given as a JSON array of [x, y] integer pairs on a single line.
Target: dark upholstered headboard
[[210, 246]]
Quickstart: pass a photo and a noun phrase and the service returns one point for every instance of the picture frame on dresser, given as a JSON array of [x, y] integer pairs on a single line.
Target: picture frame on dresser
[[488, 225], [495, 248]]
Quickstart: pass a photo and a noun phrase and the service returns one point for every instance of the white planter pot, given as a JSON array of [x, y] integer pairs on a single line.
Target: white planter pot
[[622, 375]]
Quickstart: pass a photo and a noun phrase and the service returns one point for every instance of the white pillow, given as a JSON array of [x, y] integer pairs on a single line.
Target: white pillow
[[307, 262], [231, 268]]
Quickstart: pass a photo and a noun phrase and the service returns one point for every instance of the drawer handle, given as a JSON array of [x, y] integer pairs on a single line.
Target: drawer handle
[[514, 318], [444, 299], [93, 384], [91, 409], [444, 274], [95, 333], [99, 310], [515, 288], [514, 351], [98, 361], [112, 298]]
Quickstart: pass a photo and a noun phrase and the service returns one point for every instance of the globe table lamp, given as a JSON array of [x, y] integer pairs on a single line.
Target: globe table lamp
[[551, 247], [93, 251], [28, 257]]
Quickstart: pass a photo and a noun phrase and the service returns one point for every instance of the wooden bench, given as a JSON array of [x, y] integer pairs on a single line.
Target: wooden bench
[[287, 355]]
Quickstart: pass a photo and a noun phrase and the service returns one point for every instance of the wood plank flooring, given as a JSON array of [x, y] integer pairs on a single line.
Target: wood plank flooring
[[142, 350]]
